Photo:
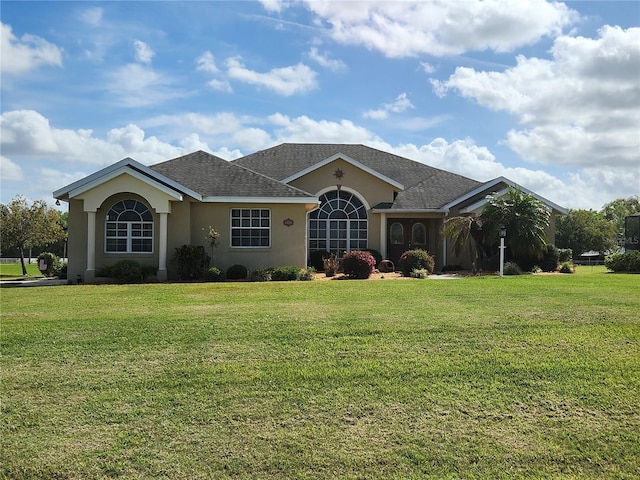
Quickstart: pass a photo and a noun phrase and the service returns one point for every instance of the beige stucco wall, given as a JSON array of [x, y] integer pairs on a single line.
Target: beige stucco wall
[[77, 243], [288, 243], [366, 186]]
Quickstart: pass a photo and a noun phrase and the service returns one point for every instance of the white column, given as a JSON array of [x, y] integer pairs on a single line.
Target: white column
[[162, 247], [90, 272], [383, 235]]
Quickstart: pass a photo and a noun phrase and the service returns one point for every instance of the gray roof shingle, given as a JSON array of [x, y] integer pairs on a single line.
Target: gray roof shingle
[[426, 187], [212, 176]]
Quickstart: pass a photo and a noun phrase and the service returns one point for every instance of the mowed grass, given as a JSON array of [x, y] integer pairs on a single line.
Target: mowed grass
[[12, 270], [519, 377]]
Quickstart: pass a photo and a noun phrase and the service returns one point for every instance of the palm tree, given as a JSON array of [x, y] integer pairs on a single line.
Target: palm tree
[[525, 218], [461, 230]]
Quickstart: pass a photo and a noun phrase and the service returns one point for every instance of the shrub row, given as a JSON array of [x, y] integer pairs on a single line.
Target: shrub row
[[623, 262], [128, 271]]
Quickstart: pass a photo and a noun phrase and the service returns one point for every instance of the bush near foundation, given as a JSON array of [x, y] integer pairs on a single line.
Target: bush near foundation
[[358, 264], [237, 272], [416, 260]]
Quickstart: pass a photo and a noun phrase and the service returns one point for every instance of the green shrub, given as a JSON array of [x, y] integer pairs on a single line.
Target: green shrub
[[128, 271], [565, 255], [237, 272], [316, 259], [261, 275], [285, 274], [550, 259], [51, 262], [623, 262], [307, 274], [214, 274], [512, 268], [416, 260], [191, 261], [566, 267], [419, 273], [358, 264]]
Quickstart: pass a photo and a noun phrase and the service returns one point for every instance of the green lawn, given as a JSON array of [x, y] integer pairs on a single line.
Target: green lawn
[[485, 377], [13, 270]]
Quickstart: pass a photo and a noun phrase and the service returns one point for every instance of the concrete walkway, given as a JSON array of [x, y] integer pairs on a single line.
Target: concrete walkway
[[32, 282]]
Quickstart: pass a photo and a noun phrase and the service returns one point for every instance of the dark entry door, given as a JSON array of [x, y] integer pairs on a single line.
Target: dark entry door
[[405, 234]]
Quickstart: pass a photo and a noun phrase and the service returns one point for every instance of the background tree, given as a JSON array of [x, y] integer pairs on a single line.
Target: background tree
[[525, 218], [23, 226], [584, 231], [616, 210]]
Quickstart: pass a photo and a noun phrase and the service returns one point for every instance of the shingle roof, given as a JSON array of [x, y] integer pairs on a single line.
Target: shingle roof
[[212, 176], [425, 187]]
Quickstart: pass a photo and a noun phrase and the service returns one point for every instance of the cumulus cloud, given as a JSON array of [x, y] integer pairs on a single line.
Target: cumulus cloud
[[10, 172], [411, 28], [27, 53], [144, 53], [284, 81], [579, 108], [400, 104], [324, 60]]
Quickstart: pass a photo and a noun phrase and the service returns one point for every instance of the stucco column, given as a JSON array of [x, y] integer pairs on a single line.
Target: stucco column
[[383, 235], [90, 272], [162, 248]]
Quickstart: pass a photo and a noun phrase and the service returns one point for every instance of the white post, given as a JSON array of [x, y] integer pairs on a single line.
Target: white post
[[502, 247]]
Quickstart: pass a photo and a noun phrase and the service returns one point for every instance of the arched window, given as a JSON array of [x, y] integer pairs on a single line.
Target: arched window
[[339, 225], [397, 233], [129, 228], [418, 234]]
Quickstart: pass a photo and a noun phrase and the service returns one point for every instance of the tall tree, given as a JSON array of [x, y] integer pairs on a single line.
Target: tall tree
[[586, 230], [23, 226], [525, 218], [618, 209]]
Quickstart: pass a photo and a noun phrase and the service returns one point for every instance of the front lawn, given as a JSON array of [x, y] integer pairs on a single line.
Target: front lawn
[[517, 377]]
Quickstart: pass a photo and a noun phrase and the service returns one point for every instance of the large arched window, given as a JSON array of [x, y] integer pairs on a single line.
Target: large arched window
[[339, 225], [129, 228]]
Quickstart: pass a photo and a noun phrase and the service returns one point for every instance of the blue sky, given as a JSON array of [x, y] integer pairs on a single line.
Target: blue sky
[[546, 94]]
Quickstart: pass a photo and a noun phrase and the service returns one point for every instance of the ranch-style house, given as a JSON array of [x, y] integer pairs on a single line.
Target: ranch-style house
[[272, 208]]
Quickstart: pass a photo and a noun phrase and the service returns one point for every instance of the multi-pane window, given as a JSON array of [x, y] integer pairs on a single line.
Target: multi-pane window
[[129, 228], [339, 225], [251, 227]]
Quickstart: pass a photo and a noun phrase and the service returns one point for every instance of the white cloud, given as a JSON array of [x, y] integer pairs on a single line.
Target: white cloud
[[136, 85], [206, 63], [580, 108], [92, 16], [9, 171], [411, 28], [285, 81], [400, 104], [144, 53], [273, 5], [325, 61], [22, 55]]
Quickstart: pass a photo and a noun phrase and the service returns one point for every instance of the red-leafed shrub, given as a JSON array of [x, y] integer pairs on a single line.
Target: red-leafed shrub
[[358, 264]]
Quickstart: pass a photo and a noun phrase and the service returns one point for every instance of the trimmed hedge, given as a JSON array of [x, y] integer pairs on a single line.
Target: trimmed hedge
[[237, 272]]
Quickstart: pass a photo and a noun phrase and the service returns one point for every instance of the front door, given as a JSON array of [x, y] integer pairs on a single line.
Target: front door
[[405, 234]]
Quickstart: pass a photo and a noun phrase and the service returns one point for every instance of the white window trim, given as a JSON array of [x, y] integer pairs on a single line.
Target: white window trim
[[232, 228]]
